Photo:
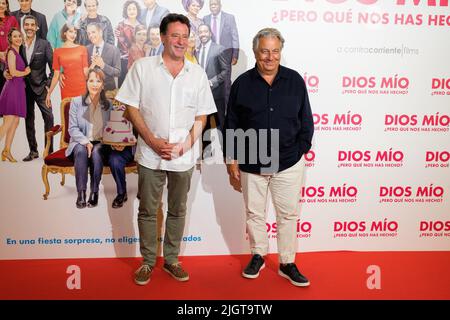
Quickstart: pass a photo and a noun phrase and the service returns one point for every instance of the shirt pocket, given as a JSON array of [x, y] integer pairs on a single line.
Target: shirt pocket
[[289, 121], [189, 98], [39, 58]]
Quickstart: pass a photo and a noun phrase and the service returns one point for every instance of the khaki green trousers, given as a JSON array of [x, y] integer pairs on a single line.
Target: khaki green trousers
[[151, 185]]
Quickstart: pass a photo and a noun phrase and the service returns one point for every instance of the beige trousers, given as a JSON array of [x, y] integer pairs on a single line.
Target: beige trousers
[[284, 187]]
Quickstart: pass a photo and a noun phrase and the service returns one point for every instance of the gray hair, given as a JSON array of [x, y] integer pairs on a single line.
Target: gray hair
[[97, 25], [265, 33]]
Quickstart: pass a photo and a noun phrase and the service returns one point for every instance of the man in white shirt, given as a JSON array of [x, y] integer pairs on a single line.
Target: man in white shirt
[[168, 100]]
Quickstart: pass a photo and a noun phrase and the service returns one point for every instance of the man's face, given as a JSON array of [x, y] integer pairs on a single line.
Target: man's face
[[204, 34], [149, 3], [94, 35], [91, 7], [175, 40], [268, 54], [155, 37], [30, 27], [215, 6], [25, 5]]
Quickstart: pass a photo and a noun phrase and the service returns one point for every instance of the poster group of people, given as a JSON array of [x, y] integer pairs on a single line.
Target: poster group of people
[[173, 73], [90, 40]]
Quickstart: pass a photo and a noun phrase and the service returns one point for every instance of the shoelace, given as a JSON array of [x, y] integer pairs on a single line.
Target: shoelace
[[177, 269], [176, 265], [145, 268]]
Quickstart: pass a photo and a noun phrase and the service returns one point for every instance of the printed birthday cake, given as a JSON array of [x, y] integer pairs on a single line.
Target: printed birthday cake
[[118, 129]]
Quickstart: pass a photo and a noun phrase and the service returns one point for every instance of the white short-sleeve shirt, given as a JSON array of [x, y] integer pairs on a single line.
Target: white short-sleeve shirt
[[168, 106]]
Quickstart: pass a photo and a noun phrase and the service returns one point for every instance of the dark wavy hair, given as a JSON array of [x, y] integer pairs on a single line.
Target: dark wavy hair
[[7, 11], [78, 3], [10, 35], [29, 16], [125, 8], [173, 17], [103, 100]]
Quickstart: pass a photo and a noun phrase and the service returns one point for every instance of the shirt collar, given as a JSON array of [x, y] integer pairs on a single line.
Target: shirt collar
[[282, 73], [186, 66], [96, 19], [100, 46], [32, 43], [207, 45]]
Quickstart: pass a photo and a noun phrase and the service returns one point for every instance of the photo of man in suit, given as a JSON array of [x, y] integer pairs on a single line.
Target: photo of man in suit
[[25, 9], [93, 17], [152, 13], [211, 57], [37, 54], [225, 32], [154, 45], [103, 55]]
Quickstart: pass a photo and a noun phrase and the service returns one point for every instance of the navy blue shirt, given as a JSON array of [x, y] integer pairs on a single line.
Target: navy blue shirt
[[279, 110]]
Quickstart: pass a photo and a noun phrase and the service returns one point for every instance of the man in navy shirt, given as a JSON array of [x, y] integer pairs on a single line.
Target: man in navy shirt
[[269, 127]]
